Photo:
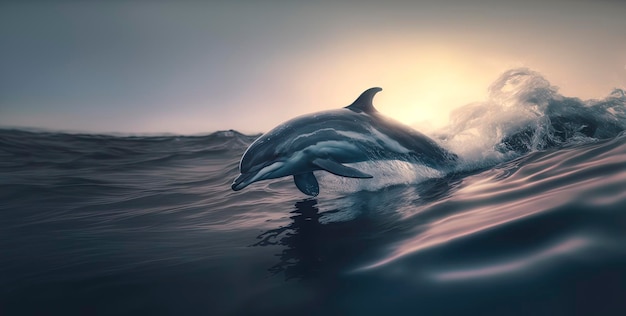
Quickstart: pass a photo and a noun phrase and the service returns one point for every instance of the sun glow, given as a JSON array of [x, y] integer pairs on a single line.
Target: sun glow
[[421, 83], [426, 99], [426, 86]]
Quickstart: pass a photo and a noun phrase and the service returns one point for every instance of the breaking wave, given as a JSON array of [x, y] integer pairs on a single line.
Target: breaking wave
[[525, 113]]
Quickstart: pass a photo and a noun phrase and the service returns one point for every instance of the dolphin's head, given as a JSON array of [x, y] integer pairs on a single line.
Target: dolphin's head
[[261, 161]]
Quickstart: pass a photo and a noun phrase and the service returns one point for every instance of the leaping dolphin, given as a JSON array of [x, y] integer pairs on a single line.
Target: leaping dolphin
[[327, 140]]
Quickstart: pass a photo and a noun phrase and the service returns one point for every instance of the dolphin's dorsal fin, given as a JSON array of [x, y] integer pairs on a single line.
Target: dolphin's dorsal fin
[[364, 102]]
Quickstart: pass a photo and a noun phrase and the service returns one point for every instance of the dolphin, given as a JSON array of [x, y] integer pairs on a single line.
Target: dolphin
[[329, 140]]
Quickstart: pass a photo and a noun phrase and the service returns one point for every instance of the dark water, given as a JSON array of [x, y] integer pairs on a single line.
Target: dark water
[[533, 223]]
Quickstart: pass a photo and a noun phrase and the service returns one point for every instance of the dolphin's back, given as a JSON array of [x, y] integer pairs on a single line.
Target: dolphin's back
[[348, 136], [295, 135], [340, 129], [422, 147]]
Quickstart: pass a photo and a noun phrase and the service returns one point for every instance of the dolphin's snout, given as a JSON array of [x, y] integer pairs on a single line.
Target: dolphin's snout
[[240, 182]]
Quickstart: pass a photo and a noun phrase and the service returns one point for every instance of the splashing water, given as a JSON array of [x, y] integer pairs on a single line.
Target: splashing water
[[525, 113]]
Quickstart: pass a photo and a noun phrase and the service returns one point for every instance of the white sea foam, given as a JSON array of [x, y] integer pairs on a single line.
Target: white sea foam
[[524, 113]]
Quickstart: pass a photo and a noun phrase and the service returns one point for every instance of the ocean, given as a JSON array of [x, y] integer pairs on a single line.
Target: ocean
[[532, 221]]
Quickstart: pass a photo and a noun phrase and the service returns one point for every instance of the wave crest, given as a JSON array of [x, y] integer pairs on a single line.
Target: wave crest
[[524, 112]]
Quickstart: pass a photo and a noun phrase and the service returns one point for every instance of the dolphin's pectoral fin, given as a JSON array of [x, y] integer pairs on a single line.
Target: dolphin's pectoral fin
[[339, 169], [307, 183]]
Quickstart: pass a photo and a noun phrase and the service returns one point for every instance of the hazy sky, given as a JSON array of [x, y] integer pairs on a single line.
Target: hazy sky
[[196, 67]]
